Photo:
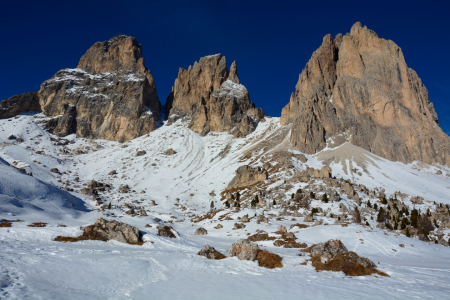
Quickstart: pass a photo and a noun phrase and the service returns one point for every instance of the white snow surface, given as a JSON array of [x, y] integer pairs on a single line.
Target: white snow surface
[[34, 266]]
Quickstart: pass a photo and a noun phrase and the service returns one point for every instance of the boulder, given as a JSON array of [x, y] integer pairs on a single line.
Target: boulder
[[417, 200], [238, 226], [246, 176], [124, 188], [210, 252], [328, 249], [140, 153], [245, 219], [244, 250], [213, 99], [170, 152], [114, 230], [200, 231], [166, 231]]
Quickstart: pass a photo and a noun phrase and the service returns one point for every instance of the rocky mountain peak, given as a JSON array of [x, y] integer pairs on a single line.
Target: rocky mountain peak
[[110, 95], [119, 53], [233, 73], [357, 88], [213, 98]]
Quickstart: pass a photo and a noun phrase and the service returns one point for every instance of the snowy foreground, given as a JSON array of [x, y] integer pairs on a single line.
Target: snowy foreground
[[33, 266]]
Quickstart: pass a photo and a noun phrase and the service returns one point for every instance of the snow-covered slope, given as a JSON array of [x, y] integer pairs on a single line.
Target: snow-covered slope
[[32, 265]]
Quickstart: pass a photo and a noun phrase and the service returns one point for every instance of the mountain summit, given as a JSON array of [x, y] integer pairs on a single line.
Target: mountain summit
[[358, 88], [213, 98]]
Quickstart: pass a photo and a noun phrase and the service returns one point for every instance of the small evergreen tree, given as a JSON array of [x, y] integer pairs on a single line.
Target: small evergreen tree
[[238, 205], [375, 206], [367, 224], [407, 232], [212, 204], [357, 216], [414, 218], [369, 204], [238, 196], [109, 205], [227, 204], [380, 217], [274, 202], [325, 198], [384, 200], [312, 195], [292, 196]]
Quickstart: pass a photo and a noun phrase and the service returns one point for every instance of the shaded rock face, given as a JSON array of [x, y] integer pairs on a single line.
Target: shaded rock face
[[246, 176], [19, 103], [357, 88], [110, 95], [213, 99]]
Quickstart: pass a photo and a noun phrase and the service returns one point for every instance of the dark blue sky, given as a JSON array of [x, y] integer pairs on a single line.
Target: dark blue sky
[[271, 41]]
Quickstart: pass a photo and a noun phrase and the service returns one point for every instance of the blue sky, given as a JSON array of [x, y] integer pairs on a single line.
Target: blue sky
[[271, 41]]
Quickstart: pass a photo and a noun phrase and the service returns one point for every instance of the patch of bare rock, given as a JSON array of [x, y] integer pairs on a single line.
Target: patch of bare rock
[[334, 256], [104, 230], [247, 176]]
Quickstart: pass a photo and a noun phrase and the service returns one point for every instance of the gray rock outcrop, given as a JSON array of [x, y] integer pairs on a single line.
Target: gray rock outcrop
[[244, 250], [19, 103], [114, 230], [247, 176]]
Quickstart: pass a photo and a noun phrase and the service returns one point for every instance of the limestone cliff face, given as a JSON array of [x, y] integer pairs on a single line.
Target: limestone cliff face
[[358, 88], [19, 103], [110, 95], [213, 98]]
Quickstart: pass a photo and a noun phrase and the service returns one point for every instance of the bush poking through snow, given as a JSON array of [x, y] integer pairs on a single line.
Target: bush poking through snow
[[269, 260]]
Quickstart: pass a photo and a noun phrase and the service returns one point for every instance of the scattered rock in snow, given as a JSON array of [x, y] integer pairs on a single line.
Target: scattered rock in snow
[[105, 230], [238, 226], [54, 170], [140, 153], [210, 252], [170, 152], [166, 231], [200, 231], [244, 250]]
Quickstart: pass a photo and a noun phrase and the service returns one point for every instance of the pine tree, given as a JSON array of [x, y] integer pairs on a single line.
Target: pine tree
[[369, 204], [274, 202], [212, 204], [384, 201], [238, 196], [325, 198], [414, 218], [380, 217], [227, 204], [292, 196], [109, 205], [407, 232], [375, 206]]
